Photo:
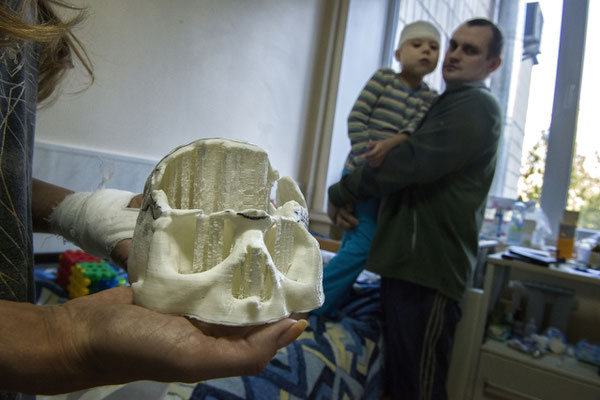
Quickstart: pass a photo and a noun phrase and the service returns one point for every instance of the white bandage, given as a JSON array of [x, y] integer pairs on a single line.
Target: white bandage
[[96, 221]]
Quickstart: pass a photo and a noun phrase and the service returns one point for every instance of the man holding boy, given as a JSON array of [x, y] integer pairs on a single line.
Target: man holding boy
[[433, 189]]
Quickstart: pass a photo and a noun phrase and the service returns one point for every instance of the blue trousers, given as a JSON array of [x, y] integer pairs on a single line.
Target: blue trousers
[[342, 270], [419, 328]]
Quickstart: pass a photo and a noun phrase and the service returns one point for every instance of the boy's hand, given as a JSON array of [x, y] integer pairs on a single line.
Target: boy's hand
[[380, 148], [376, 154]]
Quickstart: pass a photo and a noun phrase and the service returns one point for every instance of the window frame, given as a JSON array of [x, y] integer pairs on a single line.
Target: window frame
[[563, 125]]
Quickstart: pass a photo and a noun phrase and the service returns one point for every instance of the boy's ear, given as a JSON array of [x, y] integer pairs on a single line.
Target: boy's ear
[[397, 55]]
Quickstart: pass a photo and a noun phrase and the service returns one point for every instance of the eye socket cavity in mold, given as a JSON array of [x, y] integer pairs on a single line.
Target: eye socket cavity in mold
[[210, 245]]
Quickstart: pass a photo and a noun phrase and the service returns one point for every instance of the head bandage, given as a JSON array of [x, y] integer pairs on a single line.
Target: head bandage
[[96, 221], [419, 30], [209, 244]]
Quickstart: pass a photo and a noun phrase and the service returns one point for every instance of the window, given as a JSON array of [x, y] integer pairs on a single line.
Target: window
[[568, 174], [584, 189]]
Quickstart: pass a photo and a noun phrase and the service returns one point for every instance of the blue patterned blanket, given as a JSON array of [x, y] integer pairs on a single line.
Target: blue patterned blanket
[[335, 358]]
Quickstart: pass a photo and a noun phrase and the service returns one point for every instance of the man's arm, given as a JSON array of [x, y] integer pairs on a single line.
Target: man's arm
[[342, 217], [453, 135], [105, 339]]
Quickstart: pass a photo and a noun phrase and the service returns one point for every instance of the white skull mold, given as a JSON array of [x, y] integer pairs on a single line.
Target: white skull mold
[[209, 244]]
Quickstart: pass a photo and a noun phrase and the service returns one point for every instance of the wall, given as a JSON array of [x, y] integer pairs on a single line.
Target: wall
[[84, 170], [363, 46], [358, 40], [168, 73]]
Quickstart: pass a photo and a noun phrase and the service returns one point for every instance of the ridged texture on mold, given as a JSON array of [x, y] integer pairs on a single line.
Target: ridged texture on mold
[[214, 175], [208, 244]]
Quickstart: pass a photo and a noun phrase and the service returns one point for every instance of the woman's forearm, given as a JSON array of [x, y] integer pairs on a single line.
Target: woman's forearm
[[32, 347]]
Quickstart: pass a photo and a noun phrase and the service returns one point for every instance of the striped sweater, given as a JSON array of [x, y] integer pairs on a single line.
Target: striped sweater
[[384, 108]]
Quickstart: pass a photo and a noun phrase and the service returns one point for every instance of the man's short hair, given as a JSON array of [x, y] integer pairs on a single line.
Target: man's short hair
[[497, 42]]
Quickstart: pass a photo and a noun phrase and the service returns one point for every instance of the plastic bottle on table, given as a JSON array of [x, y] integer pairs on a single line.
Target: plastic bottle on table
[[515, 230], [530, 328]]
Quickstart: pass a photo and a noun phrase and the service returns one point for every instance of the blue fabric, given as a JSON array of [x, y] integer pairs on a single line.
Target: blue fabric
[[341, 271], [333, 359]]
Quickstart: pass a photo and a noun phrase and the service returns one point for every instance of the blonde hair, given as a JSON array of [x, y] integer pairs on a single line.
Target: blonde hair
[[57, 41]]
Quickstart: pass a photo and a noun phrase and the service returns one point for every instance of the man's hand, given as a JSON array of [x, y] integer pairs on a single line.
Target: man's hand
[[105, 339], [342, 217]]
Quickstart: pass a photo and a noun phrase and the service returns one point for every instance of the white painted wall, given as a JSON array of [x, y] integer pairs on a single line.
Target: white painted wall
[[170, 72], [363, 46]]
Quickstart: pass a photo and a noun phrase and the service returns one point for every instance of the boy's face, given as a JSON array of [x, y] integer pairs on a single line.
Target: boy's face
[[467, 57], [418, 56]]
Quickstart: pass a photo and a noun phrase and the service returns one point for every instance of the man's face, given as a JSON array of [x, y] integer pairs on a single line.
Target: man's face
[[466, 59]]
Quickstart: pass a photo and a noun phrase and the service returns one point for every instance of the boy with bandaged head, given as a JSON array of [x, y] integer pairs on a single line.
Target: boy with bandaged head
[[386, 112]]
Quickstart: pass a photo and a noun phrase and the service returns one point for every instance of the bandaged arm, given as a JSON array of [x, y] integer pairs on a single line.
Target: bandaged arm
[[94, 221]]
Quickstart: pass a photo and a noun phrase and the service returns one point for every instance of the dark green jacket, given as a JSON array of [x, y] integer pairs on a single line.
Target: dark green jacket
[[434, 188]]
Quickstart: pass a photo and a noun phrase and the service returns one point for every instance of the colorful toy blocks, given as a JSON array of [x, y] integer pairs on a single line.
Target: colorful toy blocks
[[80, 274], [66, 260]]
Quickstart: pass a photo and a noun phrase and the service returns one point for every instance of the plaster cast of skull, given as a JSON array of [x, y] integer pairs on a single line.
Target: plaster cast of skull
[[209, 244]]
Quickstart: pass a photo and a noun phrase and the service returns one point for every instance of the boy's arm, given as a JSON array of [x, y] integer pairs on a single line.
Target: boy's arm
[[462, 131], [379, 149], [427, 99], [361, 111]]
